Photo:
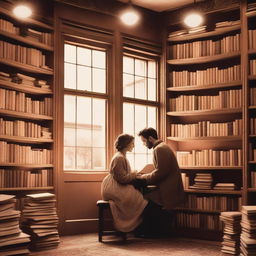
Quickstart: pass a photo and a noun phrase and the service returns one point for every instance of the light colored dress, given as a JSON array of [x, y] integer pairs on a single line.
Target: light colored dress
[[126, 202]]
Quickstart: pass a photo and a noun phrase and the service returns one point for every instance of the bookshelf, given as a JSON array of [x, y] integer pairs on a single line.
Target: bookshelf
[[205, 119], [26, 108]]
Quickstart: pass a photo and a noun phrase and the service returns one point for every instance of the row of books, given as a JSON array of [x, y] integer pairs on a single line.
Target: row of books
[[12, 240], [38, 36], [253, 179], [18, 101], [252, 39], [214, 75], [253, 126], [253, 96], [197, 220], [206, 128], [201, 29], [22, 54], [209, 157], [231, 232], [12, 178], [252, 152], [252, 67], [218, 203], [224, 99], [24, 129], [13, 153], [202, 48], [24, 80]]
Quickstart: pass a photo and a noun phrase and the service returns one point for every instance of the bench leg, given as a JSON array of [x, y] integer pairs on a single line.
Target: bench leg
[[100, 224]]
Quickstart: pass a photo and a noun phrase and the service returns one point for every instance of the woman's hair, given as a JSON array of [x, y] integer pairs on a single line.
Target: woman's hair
[[122, 141]]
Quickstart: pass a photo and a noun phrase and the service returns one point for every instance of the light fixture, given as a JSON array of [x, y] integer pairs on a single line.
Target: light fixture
[[22, 11], [193, 19], [129, 16]]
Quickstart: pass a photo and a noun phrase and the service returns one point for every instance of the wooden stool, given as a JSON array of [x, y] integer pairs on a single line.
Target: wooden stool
[[103, 205]]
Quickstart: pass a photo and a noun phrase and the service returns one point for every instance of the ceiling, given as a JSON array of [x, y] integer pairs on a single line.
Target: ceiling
[[160, 5]]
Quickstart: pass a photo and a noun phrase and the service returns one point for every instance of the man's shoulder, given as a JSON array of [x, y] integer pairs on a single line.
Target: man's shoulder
[[162, 147]]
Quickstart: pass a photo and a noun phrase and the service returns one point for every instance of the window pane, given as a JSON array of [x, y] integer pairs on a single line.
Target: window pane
[[139, 147], [152, 117], [128, 118], [84, 137], [84, 78], [70, 76], [69, 137], [140, 117], [140, 161], [83, 111], [98, 127], [130, 157], [152, 69], [98, 159], [70, 53], [83, 158], [84, 56], [140, 87], [69, 158], [99, 80], [69, 109], [128, 65], [98, 59], [140, 67], [128, 88], [151, 89]]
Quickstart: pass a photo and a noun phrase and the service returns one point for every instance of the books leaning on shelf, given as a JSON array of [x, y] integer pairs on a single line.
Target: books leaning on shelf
[[252, 152], [253, 96], [185, 180], [41, 220], [225, 186], [252, 67], [12, 240], [253, 126], [248, 235], [253, 179], [232, 230], [202, 181], [209, 157]]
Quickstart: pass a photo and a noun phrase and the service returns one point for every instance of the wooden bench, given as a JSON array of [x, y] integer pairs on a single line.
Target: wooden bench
[[102, 206]]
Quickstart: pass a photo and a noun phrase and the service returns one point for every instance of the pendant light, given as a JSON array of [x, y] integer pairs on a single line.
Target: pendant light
[[193, 18], [130, 16], [22, 10]]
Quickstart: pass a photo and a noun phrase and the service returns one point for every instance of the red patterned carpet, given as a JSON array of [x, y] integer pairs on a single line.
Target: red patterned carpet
[[88, 245]]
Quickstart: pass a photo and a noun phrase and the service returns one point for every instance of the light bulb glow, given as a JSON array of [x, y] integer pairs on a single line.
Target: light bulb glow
[[130, 18], [22, 11], [193, 20]]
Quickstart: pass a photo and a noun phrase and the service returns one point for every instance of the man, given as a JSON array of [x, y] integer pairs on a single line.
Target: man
[[166, 176]]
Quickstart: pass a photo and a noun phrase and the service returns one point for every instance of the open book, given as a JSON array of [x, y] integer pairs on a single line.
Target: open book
[[147, 169]]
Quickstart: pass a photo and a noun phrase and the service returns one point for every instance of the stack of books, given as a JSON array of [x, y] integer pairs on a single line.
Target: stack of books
[[228, 23], [5, 76], [12, 240], [248, 235], [23, 79], [231, 233], [202, 181], [46, 133], [197, 30], [251, 7], [41, 84], [41, 220], [224, 186]]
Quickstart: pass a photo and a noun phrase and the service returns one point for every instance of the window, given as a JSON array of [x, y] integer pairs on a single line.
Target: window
[[84, 113], [140, 105]]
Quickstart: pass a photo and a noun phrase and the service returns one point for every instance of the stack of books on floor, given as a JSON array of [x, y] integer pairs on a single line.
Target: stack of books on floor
[[40, 220], [202, 181], [224, 186], [12, 240], [231, 233], [248, 235]]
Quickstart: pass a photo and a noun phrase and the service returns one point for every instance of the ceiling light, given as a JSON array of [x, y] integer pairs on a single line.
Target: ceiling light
[[22, 11], [130, 16], [193, 20]]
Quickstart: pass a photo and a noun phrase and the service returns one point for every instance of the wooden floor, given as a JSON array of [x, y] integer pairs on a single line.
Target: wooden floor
[[88, 245]]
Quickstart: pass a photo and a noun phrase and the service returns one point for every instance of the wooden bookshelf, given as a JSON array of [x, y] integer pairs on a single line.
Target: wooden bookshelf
[[205, 112], [27, 189], [26, 41], [29, 116], [205, 59], [219, 168], [197, 210], [217, 32], [252, 51], [252, 162], [26, 67], [252, 107], [25, 88], [217, 138], [205, 87], [252, 189], [222, 192], [251, 14], [252, 77], [27, 140], [27, 166]]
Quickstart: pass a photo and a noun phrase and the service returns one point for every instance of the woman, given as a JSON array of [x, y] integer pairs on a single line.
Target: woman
[[126, 202]]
